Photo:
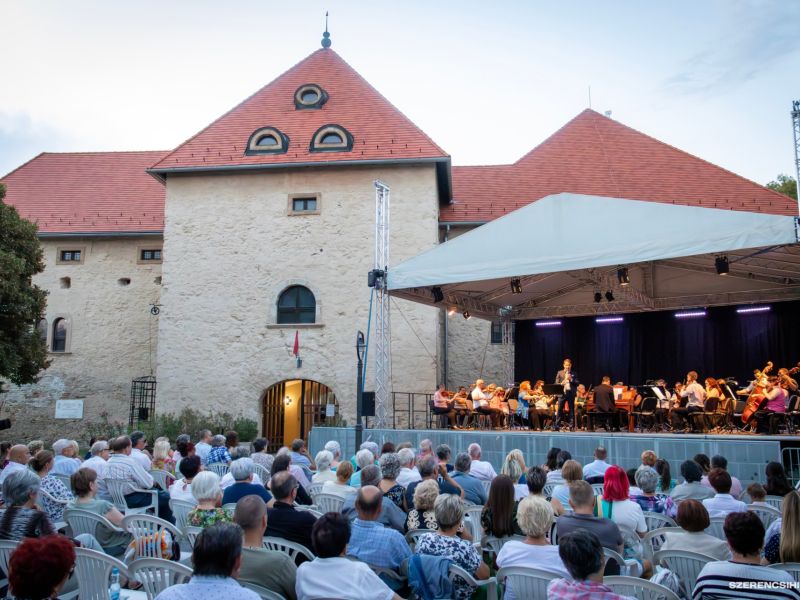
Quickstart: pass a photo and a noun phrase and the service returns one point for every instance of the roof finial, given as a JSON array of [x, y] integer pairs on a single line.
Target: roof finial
[[326, 37]]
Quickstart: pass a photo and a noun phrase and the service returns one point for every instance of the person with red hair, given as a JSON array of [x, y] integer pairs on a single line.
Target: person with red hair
[[615, 504], [40, 567]]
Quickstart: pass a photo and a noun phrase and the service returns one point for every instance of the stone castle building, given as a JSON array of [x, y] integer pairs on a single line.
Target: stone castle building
[[201, 266]]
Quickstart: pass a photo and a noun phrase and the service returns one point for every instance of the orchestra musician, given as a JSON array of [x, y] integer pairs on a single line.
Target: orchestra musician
[[498, 402], [775, 397], [695, 401], [713, 390], [462, 406], [443, 406], [566, 378], [581, 399], [524, 404], [480, 401], [662, 405], [786, 380], [540, 407], [605, 408]]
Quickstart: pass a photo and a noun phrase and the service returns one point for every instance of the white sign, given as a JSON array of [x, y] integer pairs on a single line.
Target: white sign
[[69, 409], [330, 410]]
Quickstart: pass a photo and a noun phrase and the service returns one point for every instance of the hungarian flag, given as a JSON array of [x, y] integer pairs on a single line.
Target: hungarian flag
[[296, 350]]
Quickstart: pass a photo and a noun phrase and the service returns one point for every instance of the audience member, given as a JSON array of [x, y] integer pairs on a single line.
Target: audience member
[[364, 458], [703, 461], [693, 520], [499, 514], [480, 469], [582, 555], [649, 500], [55, 493], [267, 568], [138, 453], [283, 520], [84, 483], [35, 445], [181, 489], [203, 447], [388, 448], [336, 450], [474, 491], [242, 470], [742, 576], [633, 489], [162, 457], [445, 542], [429, 469], [408, 471], [302, 458], [723, 502], [183, 448], [390, 516], [64, 462], [39, 567], [98, 462], [649, 458], [22, 517], [554, 476], [4, 448], [389, 465], [216, 559], [782, 540], [443, 454], [720, 462], [571, 471], [422, 515], [615, 504], [757, 493], [232, 445], [283, 462], [582, 501], [514, 466], [777, 483], [218, 453], [551, 459], [598, 467], [691, 488], [665, 481], [536, 479], [208, 494], [259, 454], [340, 486], [330, 574], [425, 449], [323, 460]]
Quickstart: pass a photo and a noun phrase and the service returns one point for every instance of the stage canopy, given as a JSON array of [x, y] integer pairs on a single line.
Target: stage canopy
[[566, 248]]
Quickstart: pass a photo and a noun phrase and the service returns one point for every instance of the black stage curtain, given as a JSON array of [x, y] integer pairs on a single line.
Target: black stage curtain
[[657, 344]]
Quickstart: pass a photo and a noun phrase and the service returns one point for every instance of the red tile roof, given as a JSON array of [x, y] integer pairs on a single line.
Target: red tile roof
[[380, 131], [595, 155], [88, 192]]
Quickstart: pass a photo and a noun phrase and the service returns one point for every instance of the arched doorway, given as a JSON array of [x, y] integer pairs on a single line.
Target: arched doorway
[[292, 407]]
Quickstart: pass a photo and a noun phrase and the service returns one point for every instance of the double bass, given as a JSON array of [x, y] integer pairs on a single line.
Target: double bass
[[756, 396]]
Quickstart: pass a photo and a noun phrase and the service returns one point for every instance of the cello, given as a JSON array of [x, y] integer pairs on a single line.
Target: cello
[[756, 396]]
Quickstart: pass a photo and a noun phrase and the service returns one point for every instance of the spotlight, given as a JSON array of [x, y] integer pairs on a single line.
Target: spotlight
[[516, 286], [451, 311], [466, 314], [437, 294], [598, 297], [721, 263], [622, 276], [609, 296]]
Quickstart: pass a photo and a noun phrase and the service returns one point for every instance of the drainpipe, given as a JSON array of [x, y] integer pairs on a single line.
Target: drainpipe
[[446, 319]]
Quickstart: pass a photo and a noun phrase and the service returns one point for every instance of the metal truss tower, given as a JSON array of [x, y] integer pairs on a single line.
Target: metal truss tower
[[796, 130], [507, 329], [383, 356]]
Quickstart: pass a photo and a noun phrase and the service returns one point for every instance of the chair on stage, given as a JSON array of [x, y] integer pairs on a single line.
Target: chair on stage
[[441, 420], [646, 410], [705, 416]]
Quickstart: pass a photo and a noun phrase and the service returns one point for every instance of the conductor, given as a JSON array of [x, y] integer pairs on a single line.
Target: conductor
[[566, 378]]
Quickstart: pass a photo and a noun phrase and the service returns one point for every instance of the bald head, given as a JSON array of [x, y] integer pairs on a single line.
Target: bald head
[[249, 513], [369, 503], [19, 454]]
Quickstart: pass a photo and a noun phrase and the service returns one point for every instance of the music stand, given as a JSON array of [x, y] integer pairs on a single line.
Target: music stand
[[557, 389]]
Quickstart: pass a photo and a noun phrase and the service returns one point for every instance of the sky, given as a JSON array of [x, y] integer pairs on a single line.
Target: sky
[[487, 81]]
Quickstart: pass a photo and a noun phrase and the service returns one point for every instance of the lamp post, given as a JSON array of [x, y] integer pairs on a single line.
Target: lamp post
[[360, 347]]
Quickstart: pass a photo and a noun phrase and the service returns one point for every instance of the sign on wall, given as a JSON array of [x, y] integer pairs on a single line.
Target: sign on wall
[[69, 409]]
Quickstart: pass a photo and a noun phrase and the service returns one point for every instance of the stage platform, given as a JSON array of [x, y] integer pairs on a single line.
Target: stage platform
[[747, 454]]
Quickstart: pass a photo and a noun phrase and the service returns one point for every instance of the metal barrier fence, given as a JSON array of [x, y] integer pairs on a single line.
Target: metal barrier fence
[[791, 463], [408, 410]]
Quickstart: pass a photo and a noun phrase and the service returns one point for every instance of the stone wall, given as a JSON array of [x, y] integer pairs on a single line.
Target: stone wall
[[470, 353], [231, 249], [108, 341]]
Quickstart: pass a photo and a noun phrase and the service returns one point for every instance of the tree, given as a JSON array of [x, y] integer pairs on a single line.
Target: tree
[[23, 353], [785, 185]]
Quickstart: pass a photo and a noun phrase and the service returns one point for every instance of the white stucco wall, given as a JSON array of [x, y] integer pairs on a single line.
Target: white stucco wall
[[470, 353], [230, 249], [108, 342]]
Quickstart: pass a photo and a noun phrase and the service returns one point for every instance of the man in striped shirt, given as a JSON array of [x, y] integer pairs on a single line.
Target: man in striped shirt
[[743, 576]]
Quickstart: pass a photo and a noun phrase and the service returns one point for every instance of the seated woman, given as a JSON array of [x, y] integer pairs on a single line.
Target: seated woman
[[496, 406], [162, 458], [340, 486], [782, 540], [462, 406], [323, 460], [499, 514], [84, 484], [208, 494], [647, 481], [665, 481], [757, 493], [390, 469], [777, 483], [540, 412], [40, 567], [570, 471], [449, 511], [189, 467], [42, 464], [514, 466], [422, 516], [693, 521]]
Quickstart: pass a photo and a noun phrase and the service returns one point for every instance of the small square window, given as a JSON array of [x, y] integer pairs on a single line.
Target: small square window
[[497, 332], [304, 204], [69, 256], [147, 254]]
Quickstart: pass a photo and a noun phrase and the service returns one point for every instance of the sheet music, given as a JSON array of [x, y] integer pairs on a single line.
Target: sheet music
[[659, 394], [618, 393]]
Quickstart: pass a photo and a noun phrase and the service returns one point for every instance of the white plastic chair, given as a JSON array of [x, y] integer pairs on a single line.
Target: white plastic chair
[[493, 544], [656, 520], [147, 532], [191, 533], [329, 503], [413, 535], [642, 589], [7, 547], [525, 582], [84, 521], [220, 469], [686, 565], [792, 568], [115, 487], [775, 502], [313, 489], [93, 570], [57, 525], [309, 509], [65, 479], [716, 528], [767, 514], [491, 583], [287, 547], [263, 592], [262, 472], [610, 554], [180, 510], [472, 518], [597, 488], [229, 507], [161, 478], [547, 491], [653, 540], [486, 485], [157, 574]]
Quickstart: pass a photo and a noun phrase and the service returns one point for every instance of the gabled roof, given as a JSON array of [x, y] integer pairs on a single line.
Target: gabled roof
[[596, 155], [88, 193], [380, 131]]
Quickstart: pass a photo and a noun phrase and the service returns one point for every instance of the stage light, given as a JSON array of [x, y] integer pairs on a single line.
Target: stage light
[[690, 314], [516, 286], [437, 294], [721, 263], [451, 311], [752, 309], [466, 315], [609, 296], [548, 323], [622, 276], [598, 296], [609, 320]]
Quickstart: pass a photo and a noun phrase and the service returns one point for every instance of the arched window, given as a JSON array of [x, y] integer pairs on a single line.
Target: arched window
[[59, 335], [41, 329], [297, 304], [267, 140], [331, 138]]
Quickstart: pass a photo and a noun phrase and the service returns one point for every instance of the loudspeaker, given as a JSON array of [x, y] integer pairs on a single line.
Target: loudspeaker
[[368, 404]]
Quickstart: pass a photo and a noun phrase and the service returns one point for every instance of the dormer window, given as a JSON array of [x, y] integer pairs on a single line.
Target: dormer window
[[267, 140], [331, 138], [310, 95]]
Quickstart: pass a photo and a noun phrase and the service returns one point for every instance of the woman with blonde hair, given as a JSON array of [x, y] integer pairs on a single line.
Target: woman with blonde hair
[[783, 536], [422, 516], [340, 486], [571, 471], [514, 466], [162, 457]]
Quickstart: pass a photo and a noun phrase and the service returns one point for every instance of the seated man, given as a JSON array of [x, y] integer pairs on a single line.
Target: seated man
[[371, 542], [122, 467], [65, 462], [443, 406], [241, 471], [722, 503], [582, 555], [605, 408], [462, 406], [390, 515], [267, 568], [473, 489], [429, 469], [331, 575], [283, 520], [691, 488], [743, 576], [216, 559]]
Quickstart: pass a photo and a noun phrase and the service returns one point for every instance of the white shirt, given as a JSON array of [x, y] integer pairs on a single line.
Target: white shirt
[[697, 541], [723, 504], [408, 476], [334, 487], [521, 491], [99, 466], [202, 449], [554, 477], [202, 587], [696, 394], [300, 475], [121, 466], [180, 490], [596, 468], [628, 514], [141, 458], [519, 554], [227, 480], [63, 465], [341, 578], [478, 398], [483, 470], [323, 476], [11, 467]]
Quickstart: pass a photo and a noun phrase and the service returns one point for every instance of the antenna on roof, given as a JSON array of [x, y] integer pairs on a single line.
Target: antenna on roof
[[590, 96], [326, 37]]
